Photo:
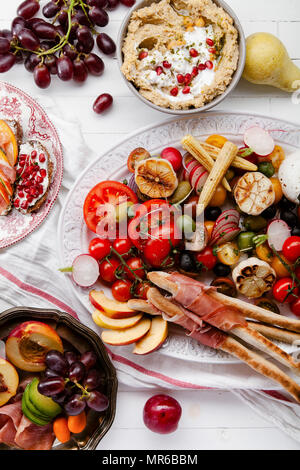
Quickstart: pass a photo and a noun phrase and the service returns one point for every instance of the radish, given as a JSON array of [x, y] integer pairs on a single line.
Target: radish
[[278, 231], [216, 232], [259, 141], [230, 215], [85, 270], [200, 182], [226, 236]]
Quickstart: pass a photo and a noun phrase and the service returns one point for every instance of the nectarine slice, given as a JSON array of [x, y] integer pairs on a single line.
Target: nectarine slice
[[128, 335], [154, 338], [8, 143], [115, 324], [27, 345], [9, 381], [111, 307]]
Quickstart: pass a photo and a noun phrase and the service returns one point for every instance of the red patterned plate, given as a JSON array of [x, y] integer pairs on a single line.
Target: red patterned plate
[[17, 105]]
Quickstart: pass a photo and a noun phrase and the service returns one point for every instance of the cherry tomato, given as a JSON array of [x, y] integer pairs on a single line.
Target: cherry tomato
[[99, 248], [277, 157], [156, 250], [216, 140], [142, 289], [107, 192], [291, 248], [219, 197], [123, 246], [264, 253], [277, 190], [225, 286], [279, 268], [173, 156], [206, 258], [267, 305], [136, 156], [209, 225], [121, 290], [228, 253], [108, 269], [136, 265], [285, 290], [297, 272], [295, 307]]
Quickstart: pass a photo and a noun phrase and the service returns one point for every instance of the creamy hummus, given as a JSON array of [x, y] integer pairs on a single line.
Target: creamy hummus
[[180, 54]]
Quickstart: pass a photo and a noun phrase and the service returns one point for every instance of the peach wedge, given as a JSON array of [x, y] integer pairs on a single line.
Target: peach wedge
[[115, 324], [128, 335], [112, 308], [9, 381], [154, 338]]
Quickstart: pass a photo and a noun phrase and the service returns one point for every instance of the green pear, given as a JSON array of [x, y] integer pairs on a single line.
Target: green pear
[[268, 63]]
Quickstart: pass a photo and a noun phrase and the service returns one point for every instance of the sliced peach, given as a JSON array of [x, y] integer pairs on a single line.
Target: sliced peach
[[8, 143], [4, 181], [111, 307], [154, 338], [9, 381], [27, 345], [115, 324], [3, 156], [128, 335]]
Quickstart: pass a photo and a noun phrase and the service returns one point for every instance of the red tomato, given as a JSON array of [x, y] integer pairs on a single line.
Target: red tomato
[[285, 290], [173, 156], [297, 272], [107, 192], [136, 265], [142, 289], [121, 290], [123, 246], [108, 269], [291, 248], [295, 307], [155, 251], [99, 248], [206, 258]]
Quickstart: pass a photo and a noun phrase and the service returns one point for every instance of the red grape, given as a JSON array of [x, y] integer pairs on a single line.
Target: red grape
[[30, 24], [97, 3], [62, 17], [70, 51], [64, 68], [102, 103], [71, 357], [97, 401], [50, 373], [81, 18], [128, 3], [28, 9], [50, 10], [98, 16], [6, 33], [80, 71], [77, 371], [75, 405], [86, 48], [7, 61], [50, 62], [56, 361], [29, 40], [94, 64], [162, 414], [89, 359], [105, 43], [93, 379], [84, 34], [112, 4], [51, 386], [45, 30], [17, 25], [4, 45], [31, 62]]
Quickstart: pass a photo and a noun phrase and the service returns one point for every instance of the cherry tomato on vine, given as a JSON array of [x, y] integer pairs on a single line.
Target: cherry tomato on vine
[[291, 248], [295, 307], [285, 290], [156, 250], [142, 289], [121, 290], [135, 264], [206, 258], [108, 270], [99, 248], [123, 246]]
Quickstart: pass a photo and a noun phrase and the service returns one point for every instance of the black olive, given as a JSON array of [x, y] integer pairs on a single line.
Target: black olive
[[286, 205], [212, 213], [221, 270], [290, 218], [187, 262], [296, 231], [269, 213]]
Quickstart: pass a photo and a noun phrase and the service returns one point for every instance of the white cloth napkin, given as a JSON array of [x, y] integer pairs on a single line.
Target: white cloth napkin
[[29, 277]]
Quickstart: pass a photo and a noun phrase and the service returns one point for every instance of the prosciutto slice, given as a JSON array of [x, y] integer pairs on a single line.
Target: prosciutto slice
[[10, 418], [191, 294], [29, 436]]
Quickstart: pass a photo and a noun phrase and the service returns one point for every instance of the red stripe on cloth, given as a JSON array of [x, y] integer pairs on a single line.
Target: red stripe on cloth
[[34, 290], [278, 396]]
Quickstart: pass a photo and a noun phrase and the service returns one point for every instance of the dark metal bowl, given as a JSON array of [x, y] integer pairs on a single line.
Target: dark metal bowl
[[82, 338]]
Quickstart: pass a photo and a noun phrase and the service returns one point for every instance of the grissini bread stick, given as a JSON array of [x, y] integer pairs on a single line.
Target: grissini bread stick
[[272, 332]]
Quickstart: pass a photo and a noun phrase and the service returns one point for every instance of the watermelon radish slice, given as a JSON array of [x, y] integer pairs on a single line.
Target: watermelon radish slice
[[200, 182], [230, 215], [196, 174], [226, 236], [216, 232], [259, 140]]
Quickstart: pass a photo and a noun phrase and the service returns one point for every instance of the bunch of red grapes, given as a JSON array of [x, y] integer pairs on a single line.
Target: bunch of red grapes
[[74, 381], [62, 45]]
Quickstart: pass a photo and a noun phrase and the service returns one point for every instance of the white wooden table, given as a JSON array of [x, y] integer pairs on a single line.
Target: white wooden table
[[211, 420]]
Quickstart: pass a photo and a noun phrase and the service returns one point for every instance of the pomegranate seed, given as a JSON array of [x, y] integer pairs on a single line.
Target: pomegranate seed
[[212, 50], [33, 154], [186, 90], [159, 70], [209, 64], [22, 156], [210, 42], [180, 78], [32, 191], [27, 183], [24, 205], [193, 52], [20, 194], [167, 64], [202, 66], [27, 190], [174, 91], [187, 78], [195, 71], [29, 198], [143, 55], [43, 172], [40, 189], [42, 158], [17, 203], [39, 179], [22, 163]]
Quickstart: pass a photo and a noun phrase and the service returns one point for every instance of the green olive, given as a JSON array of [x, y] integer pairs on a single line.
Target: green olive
[[186, 224], [181, 193], [245, 241], [255, 223], [266, 168], [229, 174]]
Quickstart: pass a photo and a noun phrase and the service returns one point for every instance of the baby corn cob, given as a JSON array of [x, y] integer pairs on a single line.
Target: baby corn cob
[[194, 147], [238, 162], [221, 165]]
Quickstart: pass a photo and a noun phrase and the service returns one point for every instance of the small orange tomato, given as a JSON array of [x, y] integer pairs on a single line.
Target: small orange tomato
[[264, 253], [279, 268], [209, 225], [277, 189], [216, 140], [277, 157], [219, 197]]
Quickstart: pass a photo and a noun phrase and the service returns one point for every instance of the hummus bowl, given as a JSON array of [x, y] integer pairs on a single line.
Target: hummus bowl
[[181, 56]]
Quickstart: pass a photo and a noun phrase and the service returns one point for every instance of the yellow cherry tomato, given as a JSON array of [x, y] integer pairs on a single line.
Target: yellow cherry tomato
[[279, 268], [264, 252], [209, 225], [228, 253], [216, 140], [277, 189], [219, 197], [277, 157]]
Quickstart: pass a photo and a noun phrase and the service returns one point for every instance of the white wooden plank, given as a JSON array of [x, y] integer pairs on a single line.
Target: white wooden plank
[[256, 10], [289, 33]]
